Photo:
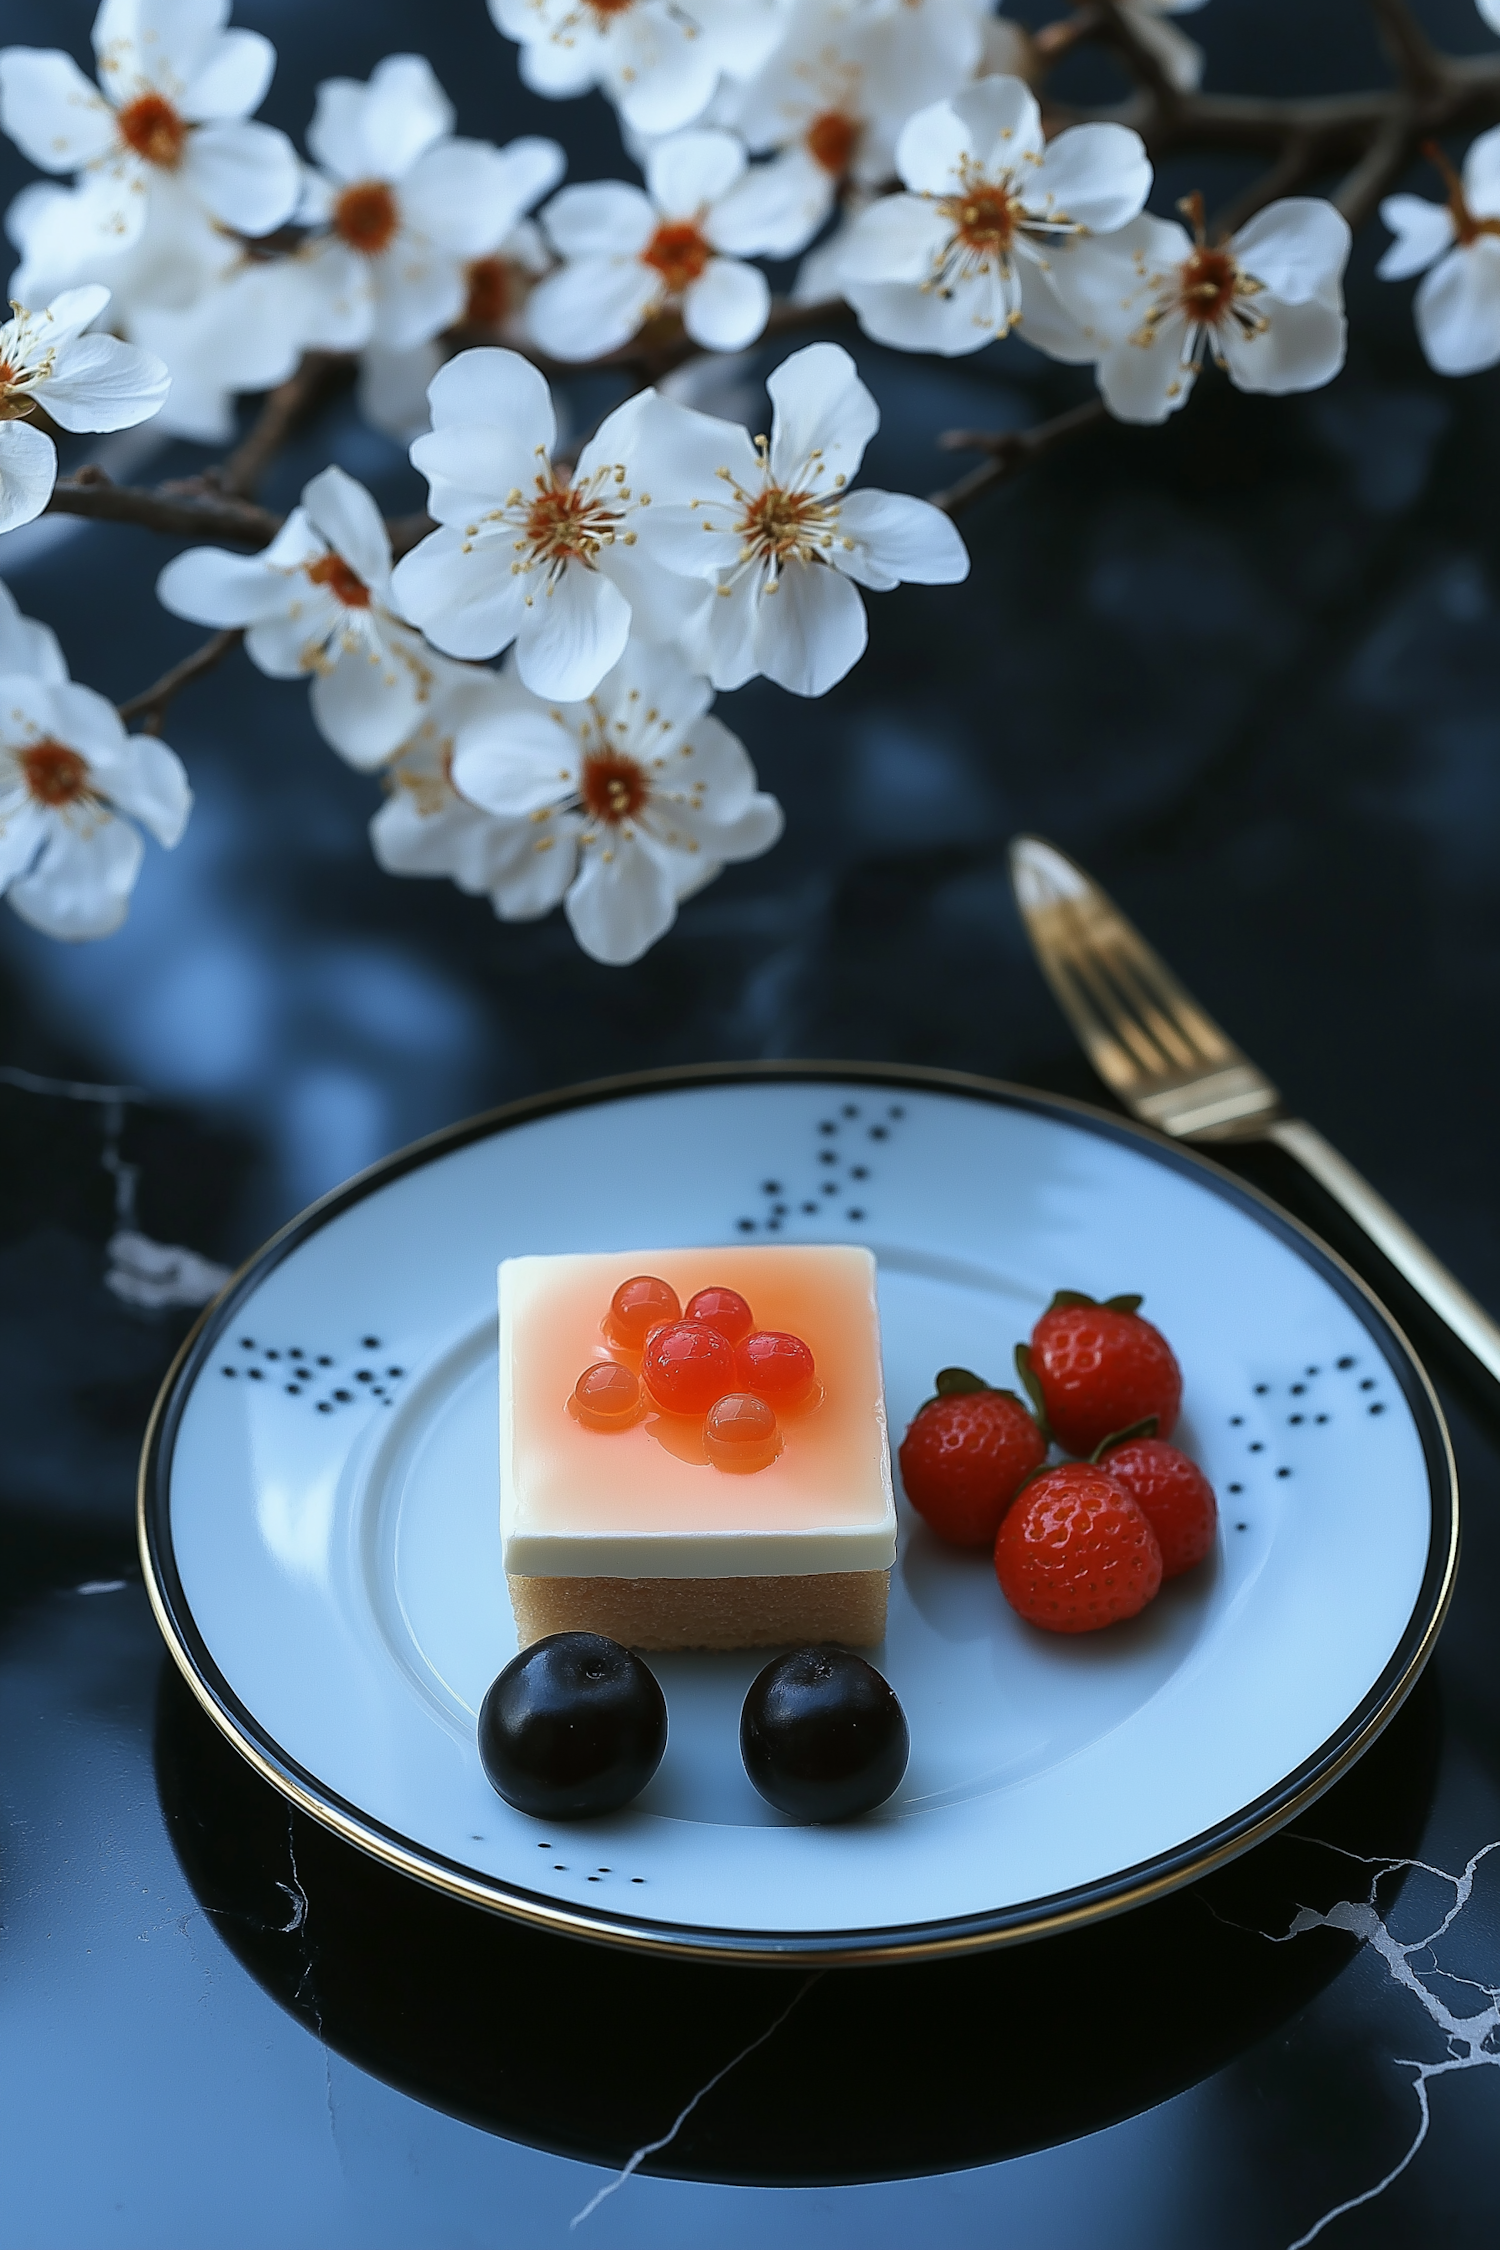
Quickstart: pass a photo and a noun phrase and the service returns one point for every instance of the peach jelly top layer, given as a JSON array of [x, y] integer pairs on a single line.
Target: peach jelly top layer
[[645, 1501]]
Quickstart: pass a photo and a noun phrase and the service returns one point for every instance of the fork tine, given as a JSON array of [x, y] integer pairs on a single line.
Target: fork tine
[[1115, 1066], [1179, 1023], [1153, 1057]]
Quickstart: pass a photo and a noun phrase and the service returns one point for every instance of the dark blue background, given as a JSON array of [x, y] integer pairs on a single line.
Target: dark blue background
[[1247, 669]]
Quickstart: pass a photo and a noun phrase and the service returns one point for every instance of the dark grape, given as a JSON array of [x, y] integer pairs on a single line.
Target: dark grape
[[574, 1725], [822, 1735]]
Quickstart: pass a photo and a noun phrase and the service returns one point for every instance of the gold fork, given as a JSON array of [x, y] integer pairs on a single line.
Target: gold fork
[[1166, 1060]]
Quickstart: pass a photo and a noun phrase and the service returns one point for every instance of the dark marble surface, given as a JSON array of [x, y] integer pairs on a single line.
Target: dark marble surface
[[1248, 670]]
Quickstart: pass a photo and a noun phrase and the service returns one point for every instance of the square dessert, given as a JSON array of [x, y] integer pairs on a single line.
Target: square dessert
[[700, 1459]]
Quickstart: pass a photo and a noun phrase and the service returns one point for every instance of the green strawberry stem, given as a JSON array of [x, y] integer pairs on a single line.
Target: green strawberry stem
[[1148, 1426]]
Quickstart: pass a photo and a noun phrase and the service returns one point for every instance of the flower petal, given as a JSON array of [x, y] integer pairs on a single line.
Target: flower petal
[[622, 902], [1044, 320], [247, 175], [811, 631], [1300, 348], [821, 407], [900, 238], [1099, 176], [490, 385], [1457, 309], [897, 538], [28, 471], [462, 196], [24, 828], [599, 219], [338, 295], [925, 320], [1482, 174], [1147, 381], [102, 384], [343, 513], [535, 872], [51, 111], [591, 306], [468, 601], [233, 78], [368, 704], [775, 209], [666, 77], [150, 782], [26, 646], [688, 171], [210, 586], [405, 111], [571, 633], [727, 307], [677, 454], [1298, 248], [515, 763], [81, 886], [419, 291], [1423, 232]]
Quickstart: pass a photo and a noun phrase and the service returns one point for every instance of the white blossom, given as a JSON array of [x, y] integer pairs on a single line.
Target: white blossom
[[630, 254], [393, 384], [1456, 246], [994, 214], [318, 602], [72, 784], [773, 528], [1267, 304], [426, 828], [524, 551], [635, 798], [658, 60], [1490, 10], [833, 97], [170, 120], [241, 331], [81, 382], [407, 207]]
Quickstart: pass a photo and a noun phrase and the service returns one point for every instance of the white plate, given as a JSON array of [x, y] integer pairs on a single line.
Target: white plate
[[320, 1530]]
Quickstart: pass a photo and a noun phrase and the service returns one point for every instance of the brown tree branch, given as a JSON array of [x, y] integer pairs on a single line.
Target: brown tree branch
[[1011, 451], [151, 704], [1418, 64], [183, 511], [281, 412]]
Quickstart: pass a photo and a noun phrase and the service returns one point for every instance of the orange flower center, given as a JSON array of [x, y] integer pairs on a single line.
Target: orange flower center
[[489, 293], [679, 254], [154, 130], [613, 788], [984, 219], [604, 9], [780, 523], [332, 571], [565, 521], [53, 774], [830, 141], [1208, 285], [366, 216]]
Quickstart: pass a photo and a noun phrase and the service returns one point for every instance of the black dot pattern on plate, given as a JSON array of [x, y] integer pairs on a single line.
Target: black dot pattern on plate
[[1320, 1392], [840, 1155], [561, 1867], [352, 1381]]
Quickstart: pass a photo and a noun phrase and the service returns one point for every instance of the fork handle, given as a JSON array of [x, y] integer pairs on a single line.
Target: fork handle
[[1390, 1233]]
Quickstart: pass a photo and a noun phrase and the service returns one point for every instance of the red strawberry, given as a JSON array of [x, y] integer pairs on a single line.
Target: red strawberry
[[1172, 1493], [1095, 1369], [1075, 1552], [964, 1455]]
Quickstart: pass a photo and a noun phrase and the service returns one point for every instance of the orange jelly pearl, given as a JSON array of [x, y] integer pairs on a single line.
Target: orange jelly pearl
[[686, 1366], [606, 1396], [740, 1432], [724, 1309], [776, 1366], [641, 1304]]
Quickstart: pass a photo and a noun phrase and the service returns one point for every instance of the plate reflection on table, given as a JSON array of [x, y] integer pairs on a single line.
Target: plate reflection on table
[[879, 2073]]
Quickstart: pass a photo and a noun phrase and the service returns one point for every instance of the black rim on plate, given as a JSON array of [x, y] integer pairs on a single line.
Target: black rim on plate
[[1007, 1925]]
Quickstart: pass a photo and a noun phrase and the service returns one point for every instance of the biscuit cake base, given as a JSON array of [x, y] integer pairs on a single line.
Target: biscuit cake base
[[847, 1606]]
